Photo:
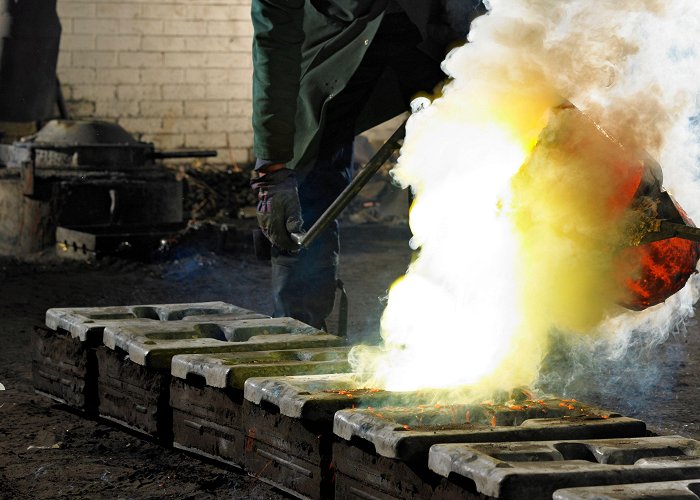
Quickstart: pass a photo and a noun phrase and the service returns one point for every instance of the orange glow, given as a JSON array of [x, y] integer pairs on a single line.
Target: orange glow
[[665, 266]]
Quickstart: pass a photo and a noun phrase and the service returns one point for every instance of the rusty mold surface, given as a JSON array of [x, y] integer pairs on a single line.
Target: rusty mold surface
[[232, 369], [64, 366], [665, 490], [361, 473], [316, 398], [207, 421], [406, 433], [289, 428], [206, 394], [134, 396], [135, 361], [294, 455], [88, 323], [534, 470], [155, 344], [64, 369]]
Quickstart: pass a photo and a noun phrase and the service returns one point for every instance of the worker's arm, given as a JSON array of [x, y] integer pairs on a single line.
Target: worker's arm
[[277, 41]]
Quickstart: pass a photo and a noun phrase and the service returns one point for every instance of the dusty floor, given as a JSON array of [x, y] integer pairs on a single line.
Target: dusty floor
[[48, 451]]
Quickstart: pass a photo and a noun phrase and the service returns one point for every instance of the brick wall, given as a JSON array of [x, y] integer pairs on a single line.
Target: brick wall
[[174, 72]]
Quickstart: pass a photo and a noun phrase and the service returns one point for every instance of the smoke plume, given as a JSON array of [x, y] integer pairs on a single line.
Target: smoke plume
[[514, 244]]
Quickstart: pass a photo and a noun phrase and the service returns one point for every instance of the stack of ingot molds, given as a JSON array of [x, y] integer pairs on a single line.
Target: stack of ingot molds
[[134, 363], [64, 366], [289, 425], [535, 470], [664, 490], [384, 451], [206, 394]]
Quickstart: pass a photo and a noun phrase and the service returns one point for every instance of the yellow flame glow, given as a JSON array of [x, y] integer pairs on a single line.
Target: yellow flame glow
[[509, 254]]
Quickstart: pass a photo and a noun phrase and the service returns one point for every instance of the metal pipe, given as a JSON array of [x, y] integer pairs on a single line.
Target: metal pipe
[[349, 193], [202, 153]]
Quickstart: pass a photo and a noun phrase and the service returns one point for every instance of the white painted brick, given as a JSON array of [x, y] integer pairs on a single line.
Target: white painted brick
[[210, 43], [138, 92], [141, 26], [68, 9], [94, 92], [213, 12], [118, 10], [240, 108], [77, 75], [162, 43], [176, 71], [118, 42], [140, 126], [162, 75], [94, 59], [244, 67], [81, 109], [183, 59], [239, 12], [205, 140], [185, 27], [141, 59], [117, 75], [66, 26], [229, 124], [180, 91], [240, 139], [205, 75], [116, 109], [205, 108], [95, 26], [162, 108], [230, 28], [67, 91], [65, 60], [77, 42], [153, 10], [166, 141], [225, 92], [183, 124], [244, 92]]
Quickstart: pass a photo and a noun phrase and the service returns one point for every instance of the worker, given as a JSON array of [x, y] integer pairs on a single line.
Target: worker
[[325, 71]]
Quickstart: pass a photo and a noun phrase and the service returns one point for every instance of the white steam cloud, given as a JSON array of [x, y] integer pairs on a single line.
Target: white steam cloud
[[633, 66]]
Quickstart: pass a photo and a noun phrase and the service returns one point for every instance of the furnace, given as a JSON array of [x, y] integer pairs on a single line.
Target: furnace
[[76, 173]]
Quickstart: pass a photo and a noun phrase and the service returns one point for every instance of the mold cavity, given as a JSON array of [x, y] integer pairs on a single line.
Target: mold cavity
[[111, 316], [145, 312], [196, 380], [629, 457], [694, 488], [463, 482], [168, 336], [363, 444], [575, 451], [243, 334], [210, 330], [271, 408], [183, 313], [324, 356], [525, 456]]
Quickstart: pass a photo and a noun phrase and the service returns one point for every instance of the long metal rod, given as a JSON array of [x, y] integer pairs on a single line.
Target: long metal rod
[[349, 193]]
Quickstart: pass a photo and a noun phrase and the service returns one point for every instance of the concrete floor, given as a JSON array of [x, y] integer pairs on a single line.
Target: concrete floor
[[47, 451]]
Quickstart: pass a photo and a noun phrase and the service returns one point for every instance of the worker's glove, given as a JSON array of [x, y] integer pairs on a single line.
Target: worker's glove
[[278, 211]]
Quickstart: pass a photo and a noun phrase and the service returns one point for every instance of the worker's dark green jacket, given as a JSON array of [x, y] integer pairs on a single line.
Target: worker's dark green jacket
[[304, 52]]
